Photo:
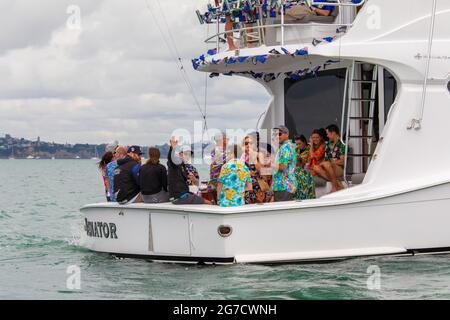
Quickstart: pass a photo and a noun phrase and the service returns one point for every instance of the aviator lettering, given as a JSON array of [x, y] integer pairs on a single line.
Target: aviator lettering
[[100, 229]]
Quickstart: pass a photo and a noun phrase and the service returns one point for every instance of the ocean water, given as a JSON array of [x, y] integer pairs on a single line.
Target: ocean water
[[40, 226]]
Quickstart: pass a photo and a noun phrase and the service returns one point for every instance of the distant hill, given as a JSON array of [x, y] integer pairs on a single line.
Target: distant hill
[[21, 148]]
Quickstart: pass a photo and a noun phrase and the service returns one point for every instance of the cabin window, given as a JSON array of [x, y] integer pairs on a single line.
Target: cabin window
[[315, 102], [390, 91], [448, 86]]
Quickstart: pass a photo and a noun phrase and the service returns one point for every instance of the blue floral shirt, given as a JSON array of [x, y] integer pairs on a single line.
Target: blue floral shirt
[[234, 176]]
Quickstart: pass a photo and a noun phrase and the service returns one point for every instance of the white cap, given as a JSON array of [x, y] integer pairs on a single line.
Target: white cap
[[112, 146], [185, 149], [219, 136]]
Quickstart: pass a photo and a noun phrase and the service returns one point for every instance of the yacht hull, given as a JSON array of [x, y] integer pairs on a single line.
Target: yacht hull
[[415, 222]]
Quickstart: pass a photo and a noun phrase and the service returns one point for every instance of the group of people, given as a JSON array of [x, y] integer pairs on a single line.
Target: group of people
[[295, 10], [239, 174]]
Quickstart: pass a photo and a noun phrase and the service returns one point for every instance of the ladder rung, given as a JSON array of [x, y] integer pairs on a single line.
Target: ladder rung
[[361, 137], [361, 118], [364, 100], [365, 81], [359, 155]]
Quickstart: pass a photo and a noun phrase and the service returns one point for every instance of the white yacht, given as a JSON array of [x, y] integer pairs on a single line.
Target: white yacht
[[11, 157], [95, 157], [381, 70]]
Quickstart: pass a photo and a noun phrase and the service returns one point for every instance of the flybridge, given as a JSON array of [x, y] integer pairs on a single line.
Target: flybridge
[[253, 23], [242, 9]]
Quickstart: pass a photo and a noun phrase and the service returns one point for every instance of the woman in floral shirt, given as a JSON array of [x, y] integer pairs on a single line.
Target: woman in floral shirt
[[218, 159], [305, 188], [316, 152], [250, 158]]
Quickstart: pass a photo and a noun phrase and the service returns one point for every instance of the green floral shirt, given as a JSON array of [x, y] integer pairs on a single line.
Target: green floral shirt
[[334, 151], [286, 180]]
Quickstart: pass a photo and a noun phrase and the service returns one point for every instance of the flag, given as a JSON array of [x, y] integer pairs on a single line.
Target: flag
[[261, 59], [286, 51], [301, 52], [242, 59]]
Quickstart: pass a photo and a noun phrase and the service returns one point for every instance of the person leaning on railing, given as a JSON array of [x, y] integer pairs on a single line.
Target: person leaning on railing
[[228, 27]]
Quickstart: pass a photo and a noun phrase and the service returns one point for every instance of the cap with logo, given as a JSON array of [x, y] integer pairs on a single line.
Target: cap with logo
[[135, 149]]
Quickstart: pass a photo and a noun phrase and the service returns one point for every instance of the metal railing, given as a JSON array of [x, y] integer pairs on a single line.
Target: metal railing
[[340, 3], [218, 37], [248, 32]]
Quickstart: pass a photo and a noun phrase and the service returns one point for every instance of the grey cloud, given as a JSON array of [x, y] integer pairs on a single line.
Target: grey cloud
[[115, 79]]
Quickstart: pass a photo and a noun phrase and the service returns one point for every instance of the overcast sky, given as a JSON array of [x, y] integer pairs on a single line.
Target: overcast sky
[[113, 78]]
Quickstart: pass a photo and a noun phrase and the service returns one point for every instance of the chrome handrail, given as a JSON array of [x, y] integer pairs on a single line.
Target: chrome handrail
[[336, 4], [314, 24], [283, 25]]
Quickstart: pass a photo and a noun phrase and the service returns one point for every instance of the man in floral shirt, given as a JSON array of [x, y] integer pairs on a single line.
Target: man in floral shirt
[[333, 167], [284, 179]]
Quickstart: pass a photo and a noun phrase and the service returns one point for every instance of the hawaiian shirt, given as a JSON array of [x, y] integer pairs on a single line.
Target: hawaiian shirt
[[216, 165], [285, 180], [191, 169], [303, 155], [334, 151], [234, 176]]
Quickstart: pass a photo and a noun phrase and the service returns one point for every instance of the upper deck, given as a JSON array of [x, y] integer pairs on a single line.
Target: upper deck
[[246, 29]]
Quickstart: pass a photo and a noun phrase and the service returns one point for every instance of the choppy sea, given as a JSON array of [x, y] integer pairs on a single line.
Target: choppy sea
[[40, 228]]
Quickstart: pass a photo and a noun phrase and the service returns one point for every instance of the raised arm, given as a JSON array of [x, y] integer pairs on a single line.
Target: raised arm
[[172, 158]]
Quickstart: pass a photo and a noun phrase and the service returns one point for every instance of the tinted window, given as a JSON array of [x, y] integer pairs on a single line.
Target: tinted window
[[314, 102], [390, 91]]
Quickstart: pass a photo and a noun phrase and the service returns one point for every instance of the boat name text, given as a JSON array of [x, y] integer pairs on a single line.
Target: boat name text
[[100, 229]]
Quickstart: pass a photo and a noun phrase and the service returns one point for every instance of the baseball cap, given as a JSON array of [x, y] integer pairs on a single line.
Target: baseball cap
[[135, 149], [282, 129]]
